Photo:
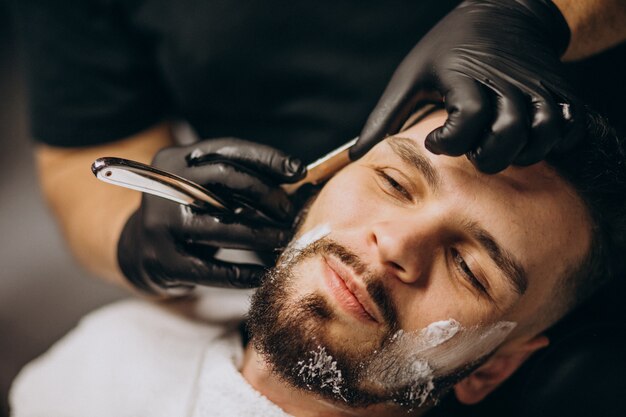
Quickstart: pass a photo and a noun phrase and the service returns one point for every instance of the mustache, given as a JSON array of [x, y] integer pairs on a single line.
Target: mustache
[[374, 282]]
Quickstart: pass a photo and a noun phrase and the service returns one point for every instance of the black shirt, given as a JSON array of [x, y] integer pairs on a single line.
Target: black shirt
[[299, 75]]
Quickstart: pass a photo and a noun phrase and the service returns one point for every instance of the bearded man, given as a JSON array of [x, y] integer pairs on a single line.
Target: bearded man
[[410, 275]]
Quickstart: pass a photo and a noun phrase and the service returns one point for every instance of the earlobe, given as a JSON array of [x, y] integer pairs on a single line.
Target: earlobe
[[496, 370]]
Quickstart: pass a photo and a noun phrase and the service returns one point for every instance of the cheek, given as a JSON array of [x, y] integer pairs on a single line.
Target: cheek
[[442, 299], [350, 203], [343, 202]]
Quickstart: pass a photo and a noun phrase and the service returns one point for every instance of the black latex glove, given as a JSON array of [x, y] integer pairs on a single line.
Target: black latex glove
[[168, 246], [496, 64]]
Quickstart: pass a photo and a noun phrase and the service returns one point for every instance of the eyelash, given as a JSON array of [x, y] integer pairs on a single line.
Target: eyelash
[[395, 185], [464, 269]]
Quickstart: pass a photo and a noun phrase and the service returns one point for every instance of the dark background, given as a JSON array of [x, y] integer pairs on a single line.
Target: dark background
[[43, 292]]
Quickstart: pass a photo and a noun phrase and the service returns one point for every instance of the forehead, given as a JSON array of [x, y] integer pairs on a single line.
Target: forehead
[[534, 214]]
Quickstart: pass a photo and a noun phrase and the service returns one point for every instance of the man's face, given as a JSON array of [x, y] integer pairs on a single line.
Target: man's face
[[414, 238]]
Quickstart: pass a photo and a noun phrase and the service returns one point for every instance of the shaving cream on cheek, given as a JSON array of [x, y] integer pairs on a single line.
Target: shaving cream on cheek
[[297, 245], [402, 366], [416, 359], [312, 236], [440, 331], [469, 345]]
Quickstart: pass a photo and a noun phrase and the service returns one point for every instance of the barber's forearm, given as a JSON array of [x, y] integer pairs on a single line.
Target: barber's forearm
[[91, 214], [595, 25]]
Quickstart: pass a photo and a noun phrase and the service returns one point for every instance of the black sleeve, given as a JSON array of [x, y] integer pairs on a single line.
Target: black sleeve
[[91, 78]]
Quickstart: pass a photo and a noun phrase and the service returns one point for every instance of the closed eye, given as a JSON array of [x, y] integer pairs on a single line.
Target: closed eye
[[465, 270], [393, 186]]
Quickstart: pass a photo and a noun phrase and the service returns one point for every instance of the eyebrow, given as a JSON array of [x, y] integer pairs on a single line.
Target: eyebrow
[[504, 260], [408, 150]]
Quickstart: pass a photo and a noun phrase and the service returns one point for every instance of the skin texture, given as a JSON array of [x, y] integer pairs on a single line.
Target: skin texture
[[407, 236], [90, 213], [595, 25]]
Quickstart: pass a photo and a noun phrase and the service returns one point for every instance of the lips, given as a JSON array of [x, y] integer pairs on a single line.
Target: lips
[[349, 292]]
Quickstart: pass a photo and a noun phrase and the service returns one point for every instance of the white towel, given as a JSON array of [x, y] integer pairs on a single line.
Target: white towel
[[222, 390], [136, 358]]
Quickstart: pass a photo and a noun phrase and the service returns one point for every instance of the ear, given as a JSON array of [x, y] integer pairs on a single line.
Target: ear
[[497, 369]]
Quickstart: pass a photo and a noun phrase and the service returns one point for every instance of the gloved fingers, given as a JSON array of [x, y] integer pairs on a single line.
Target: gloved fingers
[[204, 229], [546, 130], [181, 267], [508, 136], [261, 159], [230, 179], [469, 113], [393, 109], [233, 184], [232, 275]]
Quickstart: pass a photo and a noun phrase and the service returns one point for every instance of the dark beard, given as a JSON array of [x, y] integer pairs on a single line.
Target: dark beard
[[291, 335]]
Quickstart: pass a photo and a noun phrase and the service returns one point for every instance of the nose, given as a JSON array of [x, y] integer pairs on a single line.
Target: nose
[[404, 250]]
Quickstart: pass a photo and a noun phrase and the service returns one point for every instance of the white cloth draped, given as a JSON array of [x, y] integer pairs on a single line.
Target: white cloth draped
[[135, 358]]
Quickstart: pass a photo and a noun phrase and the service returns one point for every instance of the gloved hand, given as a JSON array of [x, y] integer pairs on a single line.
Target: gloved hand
[[167, 247], [496, 64]]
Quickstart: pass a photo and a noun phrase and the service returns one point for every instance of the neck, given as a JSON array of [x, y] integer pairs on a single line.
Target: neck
[[300, 403]]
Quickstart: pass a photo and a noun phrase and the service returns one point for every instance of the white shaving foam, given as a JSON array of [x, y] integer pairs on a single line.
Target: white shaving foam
[[310, 237], [440, 331], [422, 386], [297, 245], [438, 349], [321, 366], [470, 344]]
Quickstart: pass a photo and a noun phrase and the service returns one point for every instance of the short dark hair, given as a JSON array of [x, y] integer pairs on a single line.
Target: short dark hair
[[596, 168]]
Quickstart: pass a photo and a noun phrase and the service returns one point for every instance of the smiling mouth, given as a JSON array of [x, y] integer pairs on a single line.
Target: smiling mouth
[[348, 292]]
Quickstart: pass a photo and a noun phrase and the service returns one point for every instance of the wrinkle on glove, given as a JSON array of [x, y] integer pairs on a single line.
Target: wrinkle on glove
[[496, 64], [168, 248]]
